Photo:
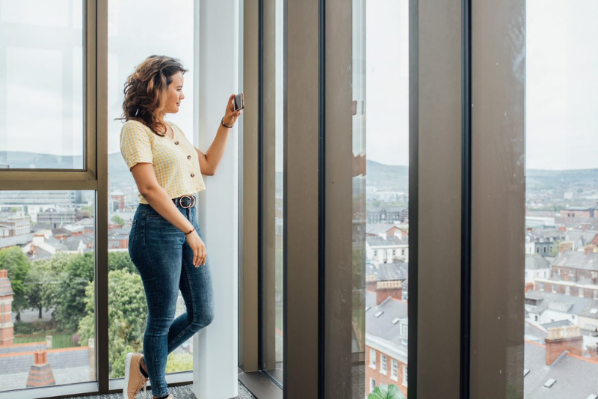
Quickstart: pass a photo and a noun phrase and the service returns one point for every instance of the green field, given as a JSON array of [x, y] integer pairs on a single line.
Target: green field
[[59, 341]]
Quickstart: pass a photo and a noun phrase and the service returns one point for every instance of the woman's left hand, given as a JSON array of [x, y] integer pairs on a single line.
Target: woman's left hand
[[230, 115]]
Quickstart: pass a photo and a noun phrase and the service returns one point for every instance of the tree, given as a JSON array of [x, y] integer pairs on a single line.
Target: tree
[[127, 315], [386, 392], [40, 285], [121, 261], [70, 299], [118, 220], [16, 262], [179, 362]]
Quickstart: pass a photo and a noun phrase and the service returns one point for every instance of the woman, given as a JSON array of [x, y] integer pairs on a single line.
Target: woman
[[165, 242]]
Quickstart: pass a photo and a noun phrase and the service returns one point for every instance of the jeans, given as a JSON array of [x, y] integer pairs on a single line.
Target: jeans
[[165, 262]]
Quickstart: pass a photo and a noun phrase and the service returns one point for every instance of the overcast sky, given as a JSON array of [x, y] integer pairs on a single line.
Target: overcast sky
[[561, 82]]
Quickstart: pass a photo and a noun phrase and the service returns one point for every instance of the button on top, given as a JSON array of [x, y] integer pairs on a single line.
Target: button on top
[[176, 142], [188, 156], [192, 174]]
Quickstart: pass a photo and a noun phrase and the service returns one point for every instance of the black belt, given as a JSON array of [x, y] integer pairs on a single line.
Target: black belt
[[185, 201]]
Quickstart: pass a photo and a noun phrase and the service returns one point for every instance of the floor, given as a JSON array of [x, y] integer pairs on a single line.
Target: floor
[[179, 392]]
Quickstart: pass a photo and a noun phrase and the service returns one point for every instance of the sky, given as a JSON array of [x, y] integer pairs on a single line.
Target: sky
[[561, 76]]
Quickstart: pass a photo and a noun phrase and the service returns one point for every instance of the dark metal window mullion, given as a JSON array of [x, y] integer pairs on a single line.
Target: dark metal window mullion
[[466, 198]]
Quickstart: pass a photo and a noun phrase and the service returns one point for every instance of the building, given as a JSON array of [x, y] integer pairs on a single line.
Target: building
[[386, 337], [558, 368], [536, 266], [389, 214], [586, 213], [380, 249], [12, 225]]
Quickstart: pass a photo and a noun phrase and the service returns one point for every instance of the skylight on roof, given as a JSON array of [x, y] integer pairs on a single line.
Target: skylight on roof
[[367, 308], [379, 314], [592, 396], [395, 321], [549, 383], [593, 311], [525, 372]]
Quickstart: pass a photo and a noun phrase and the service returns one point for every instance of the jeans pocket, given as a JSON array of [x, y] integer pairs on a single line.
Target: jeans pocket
[[132, 233], [160, 233]]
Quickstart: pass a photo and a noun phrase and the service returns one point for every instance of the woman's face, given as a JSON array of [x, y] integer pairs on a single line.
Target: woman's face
[[174, 93]]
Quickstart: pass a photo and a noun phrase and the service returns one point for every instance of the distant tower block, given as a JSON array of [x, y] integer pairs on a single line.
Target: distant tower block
[[6, 297], [40, 374]]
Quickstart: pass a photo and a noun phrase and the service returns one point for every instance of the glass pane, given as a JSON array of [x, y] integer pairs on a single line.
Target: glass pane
[[41, 112], [272, 205], [381, 197], [561, 299], [47, 263], [133, 36]]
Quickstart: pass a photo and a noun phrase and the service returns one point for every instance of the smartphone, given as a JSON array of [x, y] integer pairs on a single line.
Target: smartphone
[[239, 102]]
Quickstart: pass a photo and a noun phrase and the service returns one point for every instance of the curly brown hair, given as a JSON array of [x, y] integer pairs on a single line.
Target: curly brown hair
[[145, 90]]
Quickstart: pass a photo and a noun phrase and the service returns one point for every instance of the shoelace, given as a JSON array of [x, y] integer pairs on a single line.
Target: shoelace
[[144, 385]]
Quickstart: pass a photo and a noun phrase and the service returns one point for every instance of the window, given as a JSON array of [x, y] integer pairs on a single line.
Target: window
[[372, 358], [51, 37], [273, 201], [394, 374], [375, 252], [595, 294], [405, 377], [555, 98], [541, 284], [49, 251], [383, 366], [133, 21], [372, 384]]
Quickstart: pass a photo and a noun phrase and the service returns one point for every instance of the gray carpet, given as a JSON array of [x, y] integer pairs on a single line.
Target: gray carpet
[[179, 392]]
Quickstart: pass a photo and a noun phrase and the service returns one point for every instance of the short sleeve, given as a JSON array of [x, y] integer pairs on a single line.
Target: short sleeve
[[135, 145]]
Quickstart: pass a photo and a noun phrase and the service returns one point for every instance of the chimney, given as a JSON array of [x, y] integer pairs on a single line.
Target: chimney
[[529, 287], [370, 282], [40, 374], [6, 298], [385, 289], [561, 339], [565, 274]]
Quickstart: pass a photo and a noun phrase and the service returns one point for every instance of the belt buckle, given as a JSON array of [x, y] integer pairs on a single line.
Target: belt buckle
[[190, 197]]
